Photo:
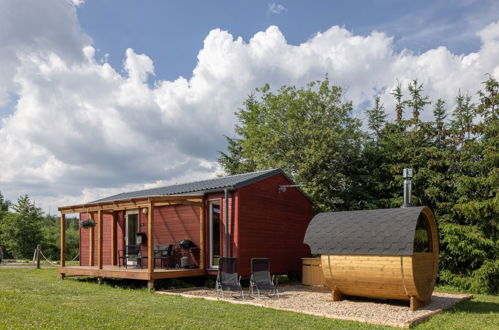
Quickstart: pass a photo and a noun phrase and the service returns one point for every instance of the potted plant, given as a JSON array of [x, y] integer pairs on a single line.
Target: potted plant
[[87, 223]]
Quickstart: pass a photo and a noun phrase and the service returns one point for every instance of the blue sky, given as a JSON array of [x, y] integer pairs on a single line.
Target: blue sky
[[102, 97], [172, 32]]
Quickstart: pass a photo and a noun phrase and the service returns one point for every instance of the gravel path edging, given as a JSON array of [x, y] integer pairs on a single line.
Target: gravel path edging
[[187, 293], [355, 319]]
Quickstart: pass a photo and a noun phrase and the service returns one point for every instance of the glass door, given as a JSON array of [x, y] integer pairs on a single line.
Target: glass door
[[132, 228], [214, 231]]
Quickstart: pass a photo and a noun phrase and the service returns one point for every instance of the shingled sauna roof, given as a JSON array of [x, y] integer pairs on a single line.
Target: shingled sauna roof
[[369, 232]]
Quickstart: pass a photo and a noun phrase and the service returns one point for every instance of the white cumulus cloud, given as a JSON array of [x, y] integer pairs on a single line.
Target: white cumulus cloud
[[79, 129]]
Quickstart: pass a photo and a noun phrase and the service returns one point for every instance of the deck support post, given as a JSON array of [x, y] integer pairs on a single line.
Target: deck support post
[[91, 244], [150, 285], [150, 240], [99, 238], [63, 240], [113, 239], [201, 236]]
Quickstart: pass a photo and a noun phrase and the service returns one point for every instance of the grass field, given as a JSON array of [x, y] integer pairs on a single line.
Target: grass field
[[31, 298]]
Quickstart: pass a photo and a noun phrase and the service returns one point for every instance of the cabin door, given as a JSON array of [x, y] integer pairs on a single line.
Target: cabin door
[[214, 232], [132, 228]]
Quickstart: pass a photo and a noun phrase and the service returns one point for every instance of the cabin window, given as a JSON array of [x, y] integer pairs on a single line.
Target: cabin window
[[214, 234], [422, 238]]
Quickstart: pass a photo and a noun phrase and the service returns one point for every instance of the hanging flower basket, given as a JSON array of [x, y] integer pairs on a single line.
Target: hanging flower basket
[[87, 223]]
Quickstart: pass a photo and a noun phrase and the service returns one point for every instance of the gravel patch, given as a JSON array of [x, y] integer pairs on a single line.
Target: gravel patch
[[301, 299]]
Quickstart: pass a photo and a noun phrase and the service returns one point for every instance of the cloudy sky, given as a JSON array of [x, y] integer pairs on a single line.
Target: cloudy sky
[[101, 97]]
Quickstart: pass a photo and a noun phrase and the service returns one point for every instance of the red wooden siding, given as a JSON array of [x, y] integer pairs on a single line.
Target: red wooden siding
[[171, 224], [175, 223], [272, 224], [84, 237]]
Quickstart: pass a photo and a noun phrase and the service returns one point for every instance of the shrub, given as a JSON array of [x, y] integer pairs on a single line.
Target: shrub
[[486, 278]]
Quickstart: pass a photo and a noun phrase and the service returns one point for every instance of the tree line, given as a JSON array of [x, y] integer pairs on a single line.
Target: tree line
[[23, 226], [347, 164]]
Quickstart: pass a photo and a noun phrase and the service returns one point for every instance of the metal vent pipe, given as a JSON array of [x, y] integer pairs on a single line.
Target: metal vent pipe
[[407, 174]]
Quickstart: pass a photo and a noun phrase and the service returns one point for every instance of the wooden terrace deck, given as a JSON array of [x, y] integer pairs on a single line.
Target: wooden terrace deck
[[129, 273]]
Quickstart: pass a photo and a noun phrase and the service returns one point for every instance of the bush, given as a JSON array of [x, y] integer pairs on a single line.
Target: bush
[[486, 278], [483, 280], [464, 248]]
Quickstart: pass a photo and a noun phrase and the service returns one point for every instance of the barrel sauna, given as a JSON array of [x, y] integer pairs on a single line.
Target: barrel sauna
[[384, 253]]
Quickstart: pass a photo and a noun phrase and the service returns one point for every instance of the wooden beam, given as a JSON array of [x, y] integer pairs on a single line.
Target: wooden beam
[[91, 244], [133, 203], [63, 240], [201, 237], [150, 239], [156, 204], [100, 226], [113, 239]]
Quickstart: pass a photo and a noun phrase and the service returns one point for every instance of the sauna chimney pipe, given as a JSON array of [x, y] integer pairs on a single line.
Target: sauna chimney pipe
[[407, 174]]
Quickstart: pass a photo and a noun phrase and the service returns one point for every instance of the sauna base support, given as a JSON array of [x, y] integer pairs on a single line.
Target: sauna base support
[[337, 295], [415, 303]]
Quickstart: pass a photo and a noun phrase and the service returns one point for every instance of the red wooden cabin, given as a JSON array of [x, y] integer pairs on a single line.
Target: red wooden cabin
[[258, 214]]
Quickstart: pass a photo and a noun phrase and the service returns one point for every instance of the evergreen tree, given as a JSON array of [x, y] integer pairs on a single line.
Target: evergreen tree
[[440, 114], [464, 113], [489, 100], [399, 105], [479, 180], [21, 230], [4, 204], [417, 102], [376, 118]]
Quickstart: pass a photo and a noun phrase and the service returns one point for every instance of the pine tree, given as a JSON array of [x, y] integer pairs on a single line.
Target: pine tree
[[417, 101], [463, 116], [4, 204], [440, 114], [21, 230], [399, 105], [489, 100], [376, 118]]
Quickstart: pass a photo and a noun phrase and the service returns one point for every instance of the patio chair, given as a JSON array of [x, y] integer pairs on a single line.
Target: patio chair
[[163, 253], [260, 277], [227, 279], [130, 252]]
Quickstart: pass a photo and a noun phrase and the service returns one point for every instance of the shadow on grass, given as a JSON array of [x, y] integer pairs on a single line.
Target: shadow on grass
[[117, 283], [173, 283], [475, 307]]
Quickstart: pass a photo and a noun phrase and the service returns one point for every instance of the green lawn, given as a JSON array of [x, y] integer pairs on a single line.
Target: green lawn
[[36, 299]]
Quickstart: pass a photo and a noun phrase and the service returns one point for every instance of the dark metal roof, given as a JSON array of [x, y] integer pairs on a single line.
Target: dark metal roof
[[211, 185], [370, 232]]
